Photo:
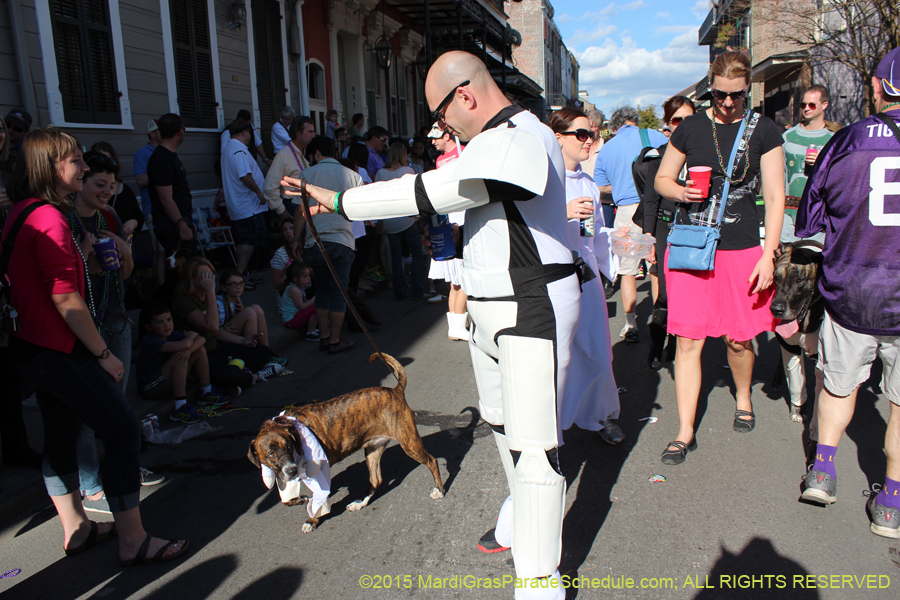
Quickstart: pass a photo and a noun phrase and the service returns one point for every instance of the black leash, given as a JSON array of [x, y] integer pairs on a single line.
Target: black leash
[[304, 199]]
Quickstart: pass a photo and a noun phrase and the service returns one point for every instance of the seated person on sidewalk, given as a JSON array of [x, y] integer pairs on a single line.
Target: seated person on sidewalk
[[195, 309], [163, 362], [235, 318], [296, 309]]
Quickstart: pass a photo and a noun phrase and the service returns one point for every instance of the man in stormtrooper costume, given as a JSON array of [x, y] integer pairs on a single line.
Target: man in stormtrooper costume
[[522, 283]]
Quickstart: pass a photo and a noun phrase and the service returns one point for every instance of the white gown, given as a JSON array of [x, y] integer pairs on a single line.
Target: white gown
[[591, 394]]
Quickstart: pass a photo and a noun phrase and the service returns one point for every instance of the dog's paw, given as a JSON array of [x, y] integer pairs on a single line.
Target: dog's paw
[[297, 501], [307, 527], [796, 417], [436, 494]]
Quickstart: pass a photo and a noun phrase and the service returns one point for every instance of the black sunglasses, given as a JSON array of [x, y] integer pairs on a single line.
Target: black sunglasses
[[438, 113], [675, 120], [735, 96], [95, 159], [582, 135], [17, 129]]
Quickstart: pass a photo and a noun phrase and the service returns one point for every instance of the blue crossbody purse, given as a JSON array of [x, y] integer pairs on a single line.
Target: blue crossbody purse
[[693, 247]]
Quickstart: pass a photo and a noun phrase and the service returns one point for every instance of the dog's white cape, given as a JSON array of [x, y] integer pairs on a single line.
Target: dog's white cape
[[317, 476]]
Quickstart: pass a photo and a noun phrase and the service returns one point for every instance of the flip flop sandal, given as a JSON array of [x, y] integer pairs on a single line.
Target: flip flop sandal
[[93, 538], [141, 556]]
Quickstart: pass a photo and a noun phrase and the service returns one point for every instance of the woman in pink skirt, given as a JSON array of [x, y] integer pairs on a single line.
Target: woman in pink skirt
[[732, 300]]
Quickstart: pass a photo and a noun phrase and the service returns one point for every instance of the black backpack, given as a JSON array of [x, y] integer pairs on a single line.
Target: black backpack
[[640, 168]]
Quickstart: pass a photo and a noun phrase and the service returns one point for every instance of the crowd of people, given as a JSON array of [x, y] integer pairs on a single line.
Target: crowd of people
[[526, 249]]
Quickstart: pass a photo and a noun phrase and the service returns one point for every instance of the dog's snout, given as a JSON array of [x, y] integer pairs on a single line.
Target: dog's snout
[[778, 308], [291, 471]]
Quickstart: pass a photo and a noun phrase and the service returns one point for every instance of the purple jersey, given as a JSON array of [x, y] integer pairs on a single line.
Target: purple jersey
[[854, 196]]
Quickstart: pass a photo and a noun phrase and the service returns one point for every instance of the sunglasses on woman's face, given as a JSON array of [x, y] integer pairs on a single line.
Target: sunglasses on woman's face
[[101, 160], [720, 96], [582, 135], [675, 120]]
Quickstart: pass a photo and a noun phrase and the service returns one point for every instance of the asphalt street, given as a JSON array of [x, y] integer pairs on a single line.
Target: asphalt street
[[725, 524]]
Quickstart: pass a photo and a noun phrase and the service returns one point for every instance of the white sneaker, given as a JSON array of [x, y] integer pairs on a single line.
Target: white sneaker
[[270, 371]]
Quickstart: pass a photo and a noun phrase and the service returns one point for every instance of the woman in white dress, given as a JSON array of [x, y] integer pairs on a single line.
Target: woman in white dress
[[591, 398]]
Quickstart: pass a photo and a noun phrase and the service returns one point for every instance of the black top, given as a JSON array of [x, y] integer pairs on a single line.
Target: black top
[[165, 168], [127, 207], [740, 223], [115, 317]]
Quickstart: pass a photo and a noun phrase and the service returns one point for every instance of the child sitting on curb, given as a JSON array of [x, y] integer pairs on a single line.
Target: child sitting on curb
[[163, 362], [234, 317], [296, 309]]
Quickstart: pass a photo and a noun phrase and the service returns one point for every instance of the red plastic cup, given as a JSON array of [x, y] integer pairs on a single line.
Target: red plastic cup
[[700, 176]]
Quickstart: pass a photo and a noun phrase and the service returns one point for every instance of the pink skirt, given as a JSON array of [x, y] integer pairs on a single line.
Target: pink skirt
[[715, 303]]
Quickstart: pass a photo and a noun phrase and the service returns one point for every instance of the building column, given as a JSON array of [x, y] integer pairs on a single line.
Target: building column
[[301, 66], [336, 99]]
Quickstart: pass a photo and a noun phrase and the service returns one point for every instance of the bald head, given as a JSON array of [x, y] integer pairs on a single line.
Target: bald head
[[472, 105]]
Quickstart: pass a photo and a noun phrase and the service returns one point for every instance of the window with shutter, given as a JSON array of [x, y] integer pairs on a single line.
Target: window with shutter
[[85, 63], [267, 43], [194, 76], [402, 75], [371, 84]]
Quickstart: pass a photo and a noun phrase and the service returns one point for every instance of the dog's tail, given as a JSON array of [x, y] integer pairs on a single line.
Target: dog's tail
[[395, 366]]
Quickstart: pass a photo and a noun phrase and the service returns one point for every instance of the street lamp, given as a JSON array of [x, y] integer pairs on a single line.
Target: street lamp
[[237, 13], [422, 65], [384, 53]]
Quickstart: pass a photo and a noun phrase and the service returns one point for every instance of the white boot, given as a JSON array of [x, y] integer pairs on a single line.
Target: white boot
[[457, 326]]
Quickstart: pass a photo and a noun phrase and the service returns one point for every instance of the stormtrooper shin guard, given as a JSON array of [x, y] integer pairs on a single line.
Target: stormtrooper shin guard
[[528, 384]]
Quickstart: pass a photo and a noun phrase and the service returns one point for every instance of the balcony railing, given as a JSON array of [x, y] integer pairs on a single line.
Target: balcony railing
[[708, 30]]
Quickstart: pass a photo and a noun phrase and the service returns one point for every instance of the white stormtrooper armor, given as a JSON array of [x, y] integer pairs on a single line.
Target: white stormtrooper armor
[[523, 302]]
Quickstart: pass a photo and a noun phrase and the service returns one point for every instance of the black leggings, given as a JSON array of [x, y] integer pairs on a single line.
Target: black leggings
[[224, 375]]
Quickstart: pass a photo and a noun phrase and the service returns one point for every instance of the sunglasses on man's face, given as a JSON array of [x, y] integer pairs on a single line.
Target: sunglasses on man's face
[[582, 135], [720, 96], [809, 105], [17, 129], [438, 113]]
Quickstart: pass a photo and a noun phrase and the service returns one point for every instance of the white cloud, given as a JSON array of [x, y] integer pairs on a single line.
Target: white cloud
[[635, 5], [664, 15], [675, 29], [701, 9], [580, 35], [563, 18], [617, 74]]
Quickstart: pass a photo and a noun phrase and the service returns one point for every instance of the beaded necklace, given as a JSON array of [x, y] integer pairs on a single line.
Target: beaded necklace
[[890, 105], [98, 312], [719, 153], [296, 158]]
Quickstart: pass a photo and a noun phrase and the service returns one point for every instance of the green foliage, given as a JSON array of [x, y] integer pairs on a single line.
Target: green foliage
[[649, 118]]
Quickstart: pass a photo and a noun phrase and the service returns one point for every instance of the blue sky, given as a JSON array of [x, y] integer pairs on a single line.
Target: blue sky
[[634, 52]]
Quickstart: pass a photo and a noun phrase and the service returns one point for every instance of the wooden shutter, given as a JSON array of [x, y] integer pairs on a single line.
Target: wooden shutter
[[267, 42], [371, 84], [85, 62], [194, 80], [402, 77]]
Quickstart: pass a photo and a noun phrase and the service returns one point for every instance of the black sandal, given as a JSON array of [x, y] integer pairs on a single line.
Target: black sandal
[[93, 538], [676, 456], [141, 556], [744, 425]]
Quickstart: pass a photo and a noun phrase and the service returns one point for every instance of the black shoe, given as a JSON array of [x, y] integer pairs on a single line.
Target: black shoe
[[631, 336], [744, 421], [25, 458], [488, 543], [676, 456]]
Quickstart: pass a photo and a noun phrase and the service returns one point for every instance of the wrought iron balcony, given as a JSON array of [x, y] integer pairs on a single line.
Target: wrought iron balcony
[[708, 30]]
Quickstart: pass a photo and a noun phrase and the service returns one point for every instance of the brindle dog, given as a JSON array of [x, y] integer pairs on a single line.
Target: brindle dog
[[369, 418], [797, 270]]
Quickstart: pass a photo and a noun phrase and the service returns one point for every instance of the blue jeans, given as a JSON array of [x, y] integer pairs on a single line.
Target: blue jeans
[[609, 214], [417, 275], [88, 462], [328, 294], [71, 393]]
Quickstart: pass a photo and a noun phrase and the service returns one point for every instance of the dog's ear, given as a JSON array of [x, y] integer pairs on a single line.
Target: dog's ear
[[781, 249], [251, 454]]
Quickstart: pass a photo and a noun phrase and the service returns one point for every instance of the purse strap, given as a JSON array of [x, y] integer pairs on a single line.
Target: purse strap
[[741, 144], [10, 240]]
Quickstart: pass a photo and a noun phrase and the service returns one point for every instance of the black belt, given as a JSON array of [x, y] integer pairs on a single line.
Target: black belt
[[526, 278]]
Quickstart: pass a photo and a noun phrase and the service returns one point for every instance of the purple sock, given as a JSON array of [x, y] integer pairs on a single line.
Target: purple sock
[[889, 494], [825, 459]]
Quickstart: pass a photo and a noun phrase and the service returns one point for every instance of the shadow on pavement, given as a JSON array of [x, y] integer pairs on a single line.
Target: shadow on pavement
[[776, 575]]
